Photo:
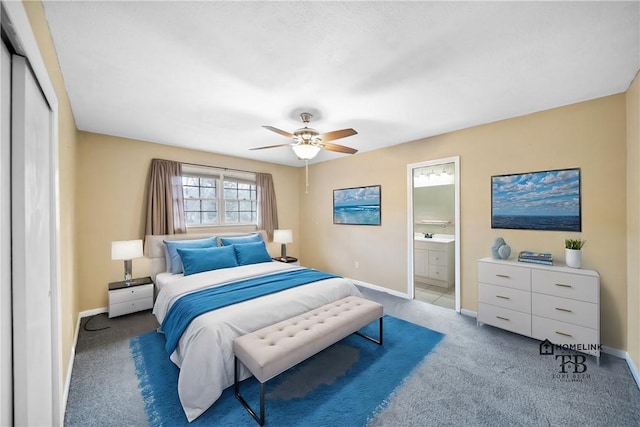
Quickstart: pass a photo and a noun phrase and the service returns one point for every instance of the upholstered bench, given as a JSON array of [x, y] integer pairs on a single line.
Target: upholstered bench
[[270, 351]]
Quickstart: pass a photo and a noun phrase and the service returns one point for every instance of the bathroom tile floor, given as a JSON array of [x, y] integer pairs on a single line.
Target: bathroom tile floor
[[443, 297]]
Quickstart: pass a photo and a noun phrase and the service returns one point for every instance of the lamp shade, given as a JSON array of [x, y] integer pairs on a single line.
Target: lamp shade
[[126, 249], [305, 151], [282, 236]]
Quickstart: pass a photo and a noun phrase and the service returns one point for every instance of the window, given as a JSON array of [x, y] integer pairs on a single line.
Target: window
[[212, 197], [200, 200], [240, 202]]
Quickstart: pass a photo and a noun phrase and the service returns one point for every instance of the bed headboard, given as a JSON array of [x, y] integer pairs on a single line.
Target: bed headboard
[[154, 247]]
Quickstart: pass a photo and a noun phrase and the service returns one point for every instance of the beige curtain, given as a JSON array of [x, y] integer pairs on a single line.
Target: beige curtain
[[267, 209], [165, 205]]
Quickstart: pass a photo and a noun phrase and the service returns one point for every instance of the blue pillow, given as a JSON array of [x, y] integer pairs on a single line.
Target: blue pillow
[[207, 259], [252, 253], [240, 240], [174, 263]]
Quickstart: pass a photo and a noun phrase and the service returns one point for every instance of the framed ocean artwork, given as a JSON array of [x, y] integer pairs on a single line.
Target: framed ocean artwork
[[357, 206], [545, 200]]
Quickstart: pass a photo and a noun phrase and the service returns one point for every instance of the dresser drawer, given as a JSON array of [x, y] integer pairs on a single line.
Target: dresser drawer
[[130, 294], [566, 310], [510, 320], [566, 285], [506, 297], [581, 338], [505, 275], [130, 306]]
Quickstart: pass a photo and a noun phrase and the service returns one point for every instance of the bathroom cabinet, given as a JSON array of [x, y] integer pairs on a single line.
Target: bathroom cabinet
[[434, 262]]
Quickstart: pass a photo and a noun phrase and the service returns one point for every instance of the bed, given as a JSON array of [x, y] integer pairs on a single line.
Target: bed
[[203, 351]]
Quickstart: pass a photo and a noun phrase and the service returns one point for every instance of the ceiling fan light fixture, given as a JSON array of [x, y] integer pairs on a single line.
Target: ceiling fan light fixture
[[307, 135], [305, 151], [307, 142]]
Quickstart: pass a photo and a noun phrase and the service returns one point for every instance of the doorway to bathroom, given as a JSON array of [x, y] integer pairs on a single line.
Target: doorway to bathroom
[[434, 232]]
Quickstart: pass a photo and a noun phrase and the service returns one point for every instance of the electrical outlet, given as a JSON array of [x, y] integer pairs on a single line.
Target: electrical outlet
[[357, 264]]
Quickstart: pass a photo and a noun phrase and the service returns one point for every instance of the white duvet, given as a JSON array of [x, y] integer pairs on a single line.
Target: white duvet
[[204, 353]]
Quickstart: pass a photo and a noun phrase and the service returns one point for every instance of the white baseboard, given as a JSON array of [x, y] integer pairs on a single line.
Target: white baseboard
[[633, 369], [624, 355], [469, 313], [614, 352], [72, 356], [92, 312]]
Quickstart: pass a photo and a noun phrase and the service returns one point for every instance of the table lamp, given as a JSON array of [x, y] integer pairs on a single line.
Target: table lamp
[[284, 237], [126, 250]]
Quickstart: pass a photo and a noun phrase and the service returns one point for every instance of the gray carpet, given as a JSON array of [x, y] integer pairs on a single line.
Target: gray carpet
[[476, 376], [104, 386]]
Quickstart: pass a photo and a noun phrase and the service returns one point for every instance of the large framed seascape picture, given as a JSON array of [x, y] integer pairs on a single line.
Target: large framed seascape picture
[[357, 206], [545, 200]]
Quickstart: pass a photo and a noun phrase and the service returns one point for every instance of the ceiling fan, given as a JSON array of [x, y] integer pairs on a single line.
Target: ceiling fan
[[307, 142]]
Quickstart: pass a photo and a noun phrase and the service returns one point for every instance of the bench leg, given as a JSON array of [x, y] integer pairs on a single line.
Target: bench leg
[[236, 388], [377, 341]]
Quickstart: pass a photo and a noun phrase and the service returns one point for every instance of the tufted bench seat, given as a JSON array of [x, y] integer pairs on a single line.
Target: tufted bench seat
[[272, 350]]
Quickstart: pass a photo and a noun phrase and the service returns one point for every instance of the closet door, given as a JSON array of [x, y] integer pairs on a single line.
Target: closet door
[[32, 265], [6, 380]]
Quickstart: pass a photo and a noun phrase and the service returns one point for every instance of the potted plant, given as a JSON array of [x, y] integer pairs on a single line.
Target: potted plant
[[573, 252]]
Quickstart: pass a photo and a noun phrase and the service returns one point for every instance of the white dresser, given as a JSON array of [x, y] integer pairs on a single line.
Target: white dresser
[[434, 262], [557, 303]]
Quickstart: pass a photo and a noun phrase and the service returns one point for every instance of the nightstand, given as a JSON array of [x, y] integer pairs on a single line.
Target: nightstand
[[288, 260], [129, 297]]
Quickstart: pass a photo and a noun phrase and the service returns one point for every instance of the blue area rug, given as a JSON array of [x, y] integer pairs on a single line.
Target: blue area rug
[[346, 384]]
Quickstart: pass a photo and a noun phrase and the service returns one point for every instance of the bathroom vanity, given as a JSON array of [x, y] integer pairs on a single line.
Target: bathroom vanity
[[434, 259]]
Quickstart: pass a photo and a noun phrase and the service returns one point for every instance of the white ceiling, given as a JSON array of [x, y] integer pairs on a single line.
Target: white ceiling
[[208, 75]]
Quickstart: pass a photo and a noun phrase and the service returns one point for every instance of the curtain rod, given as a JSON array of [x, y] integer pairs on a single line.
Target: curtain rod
[[218, 167]]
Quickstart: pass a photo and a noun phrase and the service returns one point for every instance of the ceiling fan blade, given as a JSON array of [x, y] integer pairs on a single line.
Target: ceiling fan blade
[[280, 131], [270, 146], [339, 148], [337, 134]]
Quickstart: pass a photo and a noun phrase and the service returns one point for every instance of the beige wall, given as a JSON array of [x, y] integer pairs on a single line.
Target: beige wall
[[590, 135], [633, 221], [67, 170], [111, 193]]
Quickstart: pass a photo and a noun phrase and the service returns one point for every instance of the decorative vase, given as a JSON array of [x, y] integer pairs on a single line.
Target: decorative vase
[[504, 251], [573, 257], [496, 245]]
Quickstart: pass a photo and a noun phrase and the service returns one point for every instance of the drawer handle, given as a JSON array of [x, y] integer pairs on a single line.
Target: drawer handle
[[502, 296], [502, 318], [563, 334], [562, 285], [506, 276], [564, 309]]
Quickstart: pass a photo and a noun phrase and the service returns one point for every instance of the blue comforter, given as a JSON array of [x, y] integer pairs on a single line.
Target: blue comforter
[[190, 306]]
